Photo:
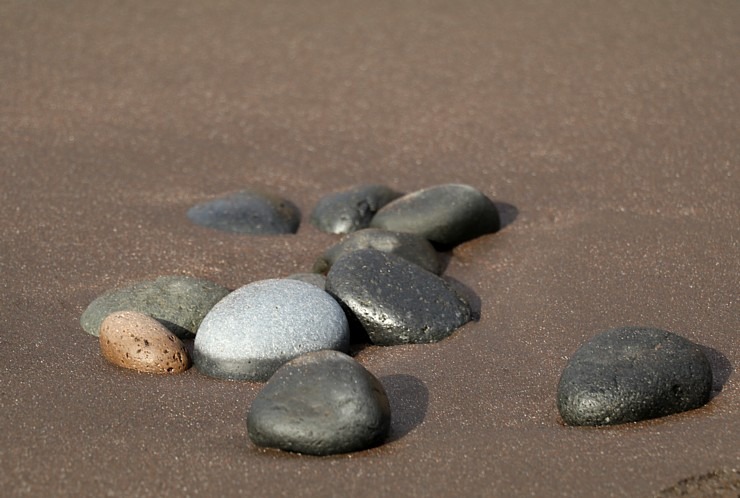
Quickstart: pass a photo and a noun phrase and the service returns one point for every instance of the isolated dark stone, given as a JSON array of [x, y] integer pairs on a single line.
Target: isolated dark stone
[[249, 211], [630, 374], [409, 246], [320, 403], [446, 214], [345, 212], [395, 301]]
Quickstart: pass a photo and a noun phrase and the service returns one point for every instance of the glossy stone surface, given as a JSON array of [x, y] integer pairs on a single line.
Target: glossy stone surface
[[345, 212]]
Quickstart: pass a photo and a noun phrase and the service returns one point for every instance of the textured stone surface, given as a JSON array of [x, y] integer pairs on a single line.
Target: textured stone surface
[[395, 301], [630, 374], [178, 302], [445, 214], [345, 212], [257, 328], [248, 211], [137, 341], [320, 403], [410, 246]]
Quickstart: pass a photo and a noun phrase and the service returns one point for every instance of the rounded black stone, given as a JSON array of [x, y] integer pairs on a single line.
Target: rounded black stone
[[395, 301], [409, 246], [248, 211], [320, 403], [630, 374], [445, 214], [345, 212]]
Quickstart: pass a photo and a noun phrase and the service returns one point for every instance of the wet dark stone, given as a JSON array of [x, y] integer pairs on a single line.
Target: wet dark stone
[[409, 246], [630, 374], [320, 403], [445, 214], [345, 212], [395, 301], [249, 211]]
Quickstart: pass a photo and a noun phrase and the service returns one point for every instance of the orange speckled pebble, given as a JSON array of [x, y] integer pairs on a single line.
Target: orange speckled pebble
[[137, 341]]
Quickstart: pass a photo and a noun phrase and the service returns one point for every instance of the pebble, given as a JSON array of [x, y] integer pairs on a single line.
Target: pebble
[[257, 328], [130, 339], [446, 214], [249, 211], [630, 374], [321, 403], [409, 246], [395, 301], [178, 302], [345, 212]]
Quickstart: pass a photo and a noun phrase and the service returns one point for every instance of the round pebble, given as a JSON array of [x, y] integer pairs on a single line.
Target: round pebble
[[137, 341], [630, 374], [320, 403], [257, 328], [345, 212]]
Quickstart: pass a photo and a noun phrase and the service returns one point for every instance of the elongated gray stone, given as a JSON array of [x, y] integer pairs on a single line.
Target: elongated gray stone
[[254, 330], [345, 212], [630, 374], [320, 403]]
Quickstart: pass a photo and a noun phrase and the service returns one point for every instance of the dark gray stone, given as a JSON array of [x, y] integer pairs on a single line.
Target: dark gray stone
[[345, 212], [409, 246], [321, 403], [249, 211], [395, 301], [445, 214], [630, 374], [178, 302]]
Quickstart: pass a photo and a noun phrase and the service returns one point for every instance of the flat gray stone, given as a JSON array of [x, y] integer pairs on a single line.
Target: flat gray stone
[[250, 211], [254, 330], [630, 374], [446, 214], [345, 212], [178, 302], [395, 301], [320, 403]]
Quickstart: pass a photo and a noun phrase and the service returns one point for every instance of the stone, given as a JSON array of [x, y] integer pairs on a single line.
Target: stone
[[409, 246], [320, 403], [257, 328], [133, 340], [345, 212], [249, 211], [178, 302], [446, 214], [311, 278], [630, 374], [395, 301]]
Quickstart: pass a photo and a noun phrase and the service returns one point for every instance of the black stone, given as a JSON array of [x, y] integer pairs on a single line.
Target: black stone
[[395, 301], [345, 212], [445, 214], [249, 211], [320, 403], [409, 246], [630, 374]]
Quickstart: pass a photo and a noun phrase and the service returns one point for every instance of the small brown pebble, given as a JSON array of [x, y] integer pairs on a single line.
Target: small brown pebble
[[137, 341]]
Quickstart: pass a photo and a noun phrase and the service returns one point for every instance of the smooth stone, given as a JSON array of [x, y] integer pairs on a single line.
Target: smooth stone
[[257, 328], [248, 211], [630, 374], [446, 214], [395, 301], [320, 403], [310, 278], [178, 302], [345, 212], [133, 340], [409, 246]]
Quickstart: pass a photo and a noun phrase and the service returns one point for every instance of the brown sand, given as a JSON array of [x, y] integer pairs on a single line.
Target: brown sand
[[610, 128]]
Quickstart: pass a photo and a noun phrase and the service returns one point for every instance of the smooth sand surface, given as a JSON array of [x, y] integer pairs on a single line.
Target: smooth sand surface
[[608, 131]]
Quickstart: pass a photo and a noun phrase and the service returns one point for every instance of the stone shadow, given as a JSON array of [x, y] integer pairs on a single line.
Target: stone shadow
[[507, 213], [467, 294], [721, 369], [409, 399]]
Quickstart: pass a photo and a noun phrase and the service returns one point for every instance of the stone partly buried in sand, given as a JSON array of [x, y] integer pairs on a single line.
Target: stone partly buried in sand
[[631, 374], [320, 403], [345, 212], [133, 340], [257, 328], [178, 302]]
